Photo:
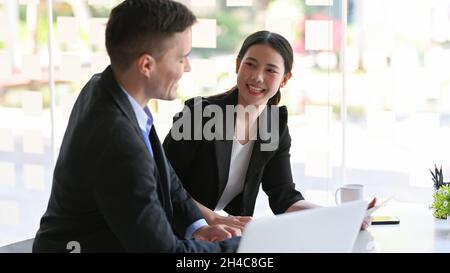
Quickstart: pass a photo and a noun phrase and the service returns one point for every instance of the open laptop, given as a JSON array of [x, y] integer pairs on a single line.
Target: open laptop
[[329, 229]]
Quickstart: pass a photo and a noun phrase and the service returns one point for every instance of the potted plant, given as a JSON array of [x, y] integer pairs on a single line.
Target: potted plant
[[441, 196]]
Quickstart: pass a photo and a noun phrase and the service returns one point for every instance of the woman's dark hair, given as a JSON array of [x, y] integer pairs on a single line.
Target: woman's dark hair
[[142, 26], [277, 42]]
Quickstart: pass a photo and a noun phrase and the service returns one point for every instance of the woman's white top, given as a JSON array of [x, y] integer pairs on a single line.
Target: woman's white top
[[240, 158]]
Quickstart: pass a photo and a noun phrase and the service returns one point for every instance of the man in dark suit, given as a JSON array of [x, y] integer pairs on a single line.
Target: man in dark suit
[[113, 188]]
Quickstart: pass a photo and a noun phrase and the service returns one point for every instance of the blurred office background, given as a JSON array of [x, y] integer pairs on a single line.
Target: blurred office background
[[395, 91]]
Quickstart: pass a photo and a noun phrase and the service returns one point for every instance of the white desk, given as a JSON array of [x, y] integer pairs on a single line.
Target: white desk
[[418, 231]]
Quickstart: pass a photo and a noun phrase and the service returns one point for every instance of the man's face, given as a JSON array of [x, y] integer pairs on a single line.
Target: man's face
[[170, 67]]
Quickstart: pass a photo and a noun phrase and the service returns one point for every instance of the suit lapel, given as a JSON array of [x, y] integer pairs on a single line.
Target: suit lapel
[[223, 156], [224, 147], [164, 178], [258, 158], [111, 85]]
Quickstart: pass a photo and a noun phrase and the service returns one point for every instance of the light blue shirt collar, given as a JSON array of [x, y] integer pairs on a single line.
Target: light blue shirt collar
[[143, 115]]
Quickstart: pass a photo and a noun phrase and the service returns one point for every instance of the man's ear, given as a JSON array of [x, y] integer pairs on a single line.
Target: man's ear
[[238, 64], [145, 64], [285, 79]]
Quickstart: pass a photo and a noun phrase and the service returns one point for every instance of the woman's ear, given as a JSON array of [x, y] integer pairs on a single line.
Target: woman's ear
[[145, 64], [286, 78], [238, 64]]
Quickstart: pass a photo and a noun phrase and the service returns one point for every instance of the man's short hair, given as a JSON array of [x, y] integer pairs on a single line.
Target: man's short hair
[[136, 27]]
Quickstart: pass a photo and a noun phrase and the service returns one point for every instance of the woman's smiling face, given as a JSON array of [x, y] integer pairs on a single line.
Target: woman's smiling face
[[260, 73]]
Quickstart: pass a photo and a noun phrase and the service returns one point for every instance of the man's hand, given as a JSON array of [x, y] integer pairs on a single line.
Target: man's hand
[[216, 233]]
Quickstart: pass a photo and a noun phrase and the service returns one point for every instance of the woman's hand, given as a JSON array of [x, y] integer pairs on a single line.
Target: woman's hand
[[368, 220], [216, 233], [230, 222], [237, 222]]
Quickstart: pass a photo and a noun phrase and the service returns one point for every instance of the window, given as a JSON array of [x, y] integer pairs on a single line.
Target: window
[[395, 90]]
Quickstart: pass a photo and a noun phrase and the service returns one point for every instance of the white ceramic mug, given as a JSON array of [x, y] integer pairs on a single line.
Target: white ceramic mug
[[349, 192]]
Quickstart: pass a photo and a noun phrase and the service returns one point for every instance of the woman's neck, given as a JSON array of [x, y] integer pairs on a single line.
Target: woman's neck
[[246, 122]]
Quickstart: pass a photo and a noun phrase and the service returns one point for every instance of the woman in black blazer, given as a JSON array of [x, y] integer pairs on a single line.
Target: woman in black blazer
[[225, 171]]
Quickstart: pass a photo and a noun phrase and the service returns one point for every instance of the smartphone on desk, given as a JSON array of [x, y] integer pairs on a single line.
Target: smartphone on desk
[[385, 220]]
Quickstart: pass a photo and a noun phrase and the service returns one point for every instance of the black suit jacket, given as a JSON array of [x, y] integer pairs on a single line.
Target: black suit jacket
[[108, 193], [203, 165]]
